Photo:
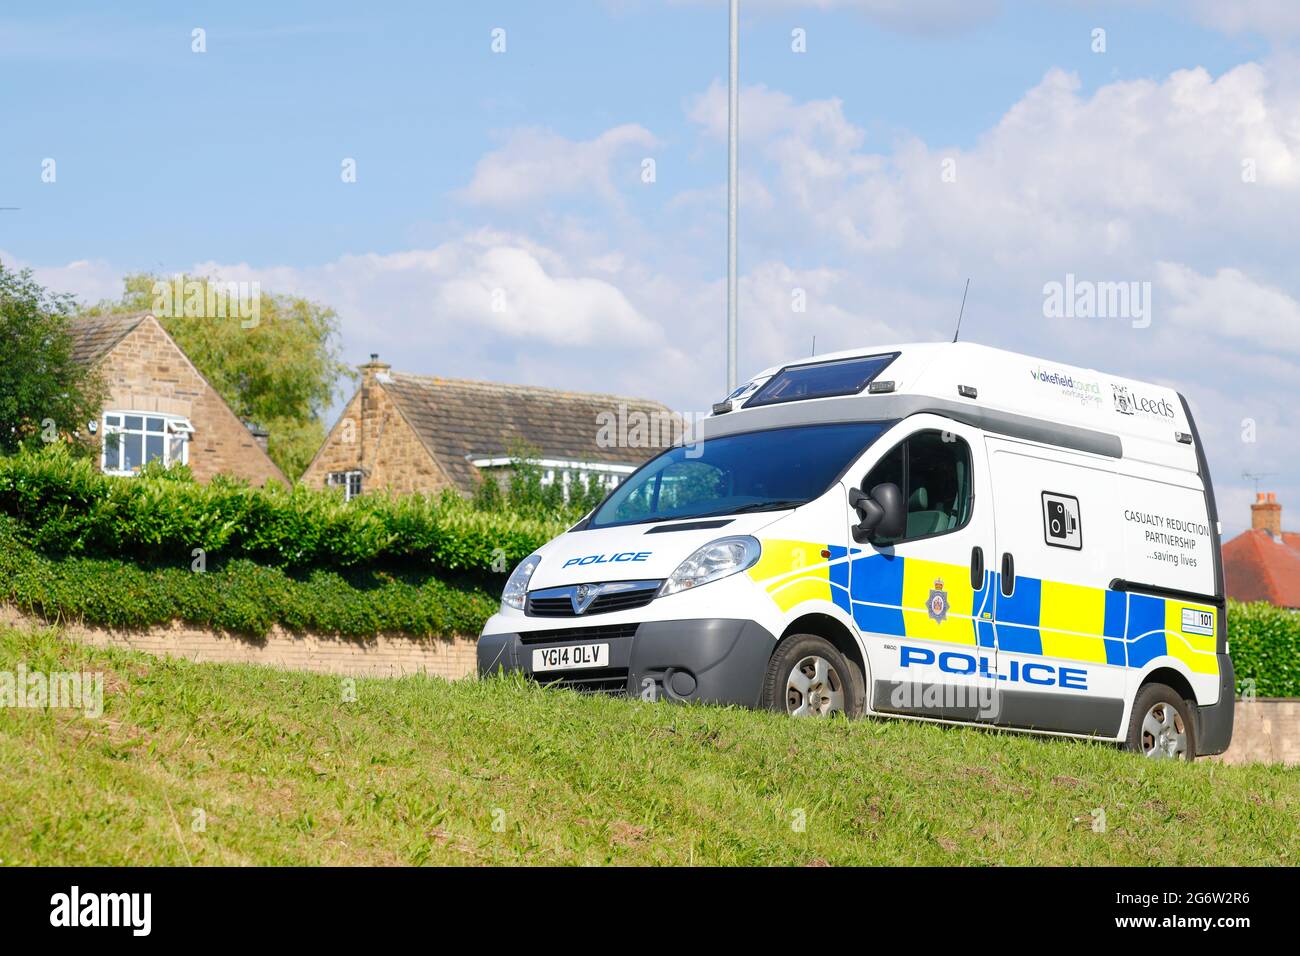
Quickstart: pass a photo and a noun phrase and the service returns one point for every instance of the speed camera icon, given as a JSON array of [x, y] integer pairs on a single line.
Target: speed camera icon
[[1061, 522]]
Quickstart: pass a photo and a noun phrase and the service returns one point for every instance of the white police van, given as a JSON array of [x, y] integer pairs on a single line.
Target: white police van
[[938, 531]]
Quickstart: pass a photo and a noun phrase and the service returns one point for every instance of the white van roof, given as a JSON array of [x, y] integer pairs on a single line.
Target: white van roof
[[1000, 391]]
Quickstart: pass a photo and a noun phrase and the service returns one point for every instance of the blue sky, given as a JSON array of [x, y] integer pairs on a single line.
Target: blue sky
[[522, 171], [247, 137]]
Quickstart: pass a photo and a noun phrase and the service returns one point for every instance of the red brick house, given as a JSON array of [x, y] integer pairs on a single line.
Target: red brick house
[[1263, 564], [419, 433], [160, 407]]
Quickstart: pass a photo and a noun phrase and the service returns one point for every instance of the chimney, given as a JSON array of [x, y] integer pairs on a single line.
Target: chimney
[[1266, 514], [373, 368], [260, 434]]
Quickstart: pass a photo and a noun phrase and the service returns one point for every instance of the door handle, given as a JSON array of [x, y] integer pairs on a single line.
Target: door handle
[[976, 568], [1008, 574]]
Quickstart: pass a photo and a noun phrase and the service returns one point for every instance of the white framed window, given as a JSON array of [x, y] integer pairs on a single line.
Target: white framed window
[[133, 439], [349, 481], [564, 471]]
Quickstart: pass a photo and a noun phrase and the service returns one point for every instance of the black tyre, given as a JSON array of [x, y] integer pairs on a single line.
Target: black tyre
[[1161, 725], [808, 677]]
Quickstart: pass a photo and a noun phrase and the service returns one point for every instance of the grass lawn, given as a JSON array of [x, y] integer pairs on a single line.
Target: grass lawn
[[415, 770]]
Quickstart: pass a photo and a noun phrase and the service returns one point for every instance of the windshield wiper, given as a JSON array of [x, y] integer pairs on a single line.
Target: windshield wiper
[[764, 506]]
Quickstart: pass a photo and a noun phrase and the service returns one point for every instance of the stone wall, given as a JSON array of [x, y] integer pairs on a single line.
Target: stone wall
[[388, 655], [1265, 730]]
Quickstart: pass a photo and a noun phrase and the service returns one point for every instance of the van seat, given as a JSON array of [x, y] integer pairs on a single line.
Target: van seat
[[927, 522]]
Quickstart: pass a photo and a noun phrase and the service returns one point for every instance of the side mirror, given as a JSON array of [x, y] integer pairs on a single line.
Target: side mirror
[[882, 512]]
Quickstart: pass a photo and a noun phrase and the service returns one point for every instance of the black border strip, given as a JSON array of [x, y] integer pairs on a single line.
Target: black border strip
[[1120, 584], [1212, 514]]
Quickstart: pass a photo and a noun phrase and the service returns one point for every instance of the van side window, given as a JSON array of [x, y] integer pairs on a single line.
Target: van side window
[[933, 470]]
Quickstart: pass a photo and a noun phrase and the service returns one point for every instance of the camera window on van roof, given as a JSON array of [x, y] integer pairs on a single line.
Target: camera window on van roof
[[796, 383]]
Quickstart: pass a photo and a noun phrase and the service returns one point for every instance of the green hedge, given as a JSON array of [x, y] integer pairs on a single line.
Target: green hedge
[[65, 506], [237, 595], [1265, 646]]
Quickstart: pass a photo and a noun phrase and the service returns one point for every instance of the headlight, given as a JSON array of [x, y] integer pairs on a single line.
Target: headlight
[[715, 560], [516, 589]]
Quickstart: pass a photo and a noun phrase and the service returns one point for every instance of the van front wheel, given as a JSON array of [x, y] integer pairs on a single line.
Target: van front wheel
[[1160, 726], [808, 677]]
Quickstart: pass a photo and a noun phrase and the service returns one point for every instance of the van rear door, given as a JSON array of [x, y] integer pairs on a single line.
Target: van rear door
[[1060, 629], [1169, 574]]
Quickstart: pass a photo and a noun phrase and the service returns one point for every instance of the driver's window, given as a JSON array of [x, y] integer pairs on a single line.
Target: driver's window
[[932, 469]]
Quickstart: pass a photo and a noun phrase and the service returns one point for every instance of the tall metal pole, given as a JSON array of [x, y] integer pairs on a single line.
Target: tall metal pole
[[733, 190]]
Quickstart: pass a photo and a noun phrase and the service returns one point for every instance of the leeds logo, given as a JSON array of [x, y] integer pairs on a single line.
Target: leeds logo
[[1123, 400]]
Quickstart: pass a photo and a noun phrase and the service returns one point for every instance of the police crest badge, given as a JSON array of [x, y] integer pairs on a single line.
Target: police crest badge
[[937, 605]]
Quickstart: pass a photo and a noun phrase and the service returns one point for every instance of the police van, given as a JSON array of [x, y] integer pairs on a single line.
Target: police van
[[939, 532]]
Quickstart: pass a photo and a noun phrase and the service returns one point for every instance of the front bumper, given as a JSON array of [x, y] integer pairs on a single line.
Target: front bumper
[[709, 660], [1214, 721]]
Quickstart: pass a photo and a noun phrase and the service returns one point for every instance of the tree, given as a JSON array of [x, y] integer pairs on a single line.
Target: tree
[[45, 396], [273, 358]]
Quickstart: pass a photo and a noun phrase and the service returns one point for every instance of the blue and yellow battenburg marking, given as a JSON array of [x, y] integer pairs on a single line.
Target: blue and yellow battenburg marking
[[934, 601]]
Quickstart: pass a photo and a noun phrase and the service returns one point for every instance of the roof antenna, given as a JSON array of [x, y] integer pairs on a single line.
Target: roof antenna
[[814, 348], [1256, 476], [961, 310]]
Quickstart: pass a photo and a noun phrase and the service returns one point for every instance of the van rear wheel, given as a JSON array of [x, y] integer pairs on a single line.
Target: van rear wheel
[[808, 677], [1161, 727]]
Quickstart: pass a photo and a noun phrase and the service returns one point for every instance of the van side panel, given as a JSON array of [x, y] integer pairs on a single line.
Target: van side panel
[[1055, 518]]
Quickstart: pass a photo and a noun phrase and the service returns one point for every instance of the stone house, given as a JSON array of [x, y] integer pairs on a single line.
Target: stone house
[[418, 433], [160, 407]]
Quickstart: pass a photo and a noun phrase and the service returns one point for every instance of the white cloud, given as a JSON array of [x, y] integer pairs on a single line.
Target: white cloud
[[88, 279], [766, 113], [508, 291], [1268, 17], [1061, 173], [486, 283], [534, 164], [1231, 305]]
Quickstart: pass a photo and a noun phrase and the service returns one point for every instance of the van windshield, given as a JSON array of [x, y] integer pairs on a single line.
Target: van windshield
[[755, 471]]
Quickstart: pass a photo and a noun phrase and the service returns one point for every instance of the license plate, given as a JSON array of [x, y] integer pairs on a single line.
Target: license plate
[[570, 658]]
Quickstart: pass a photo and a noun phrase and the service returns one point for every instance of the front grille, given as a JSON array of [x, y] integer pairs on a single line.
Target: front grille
[[550, 607], [603, 680], [556, 602], [622, 601], [601, 632]]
